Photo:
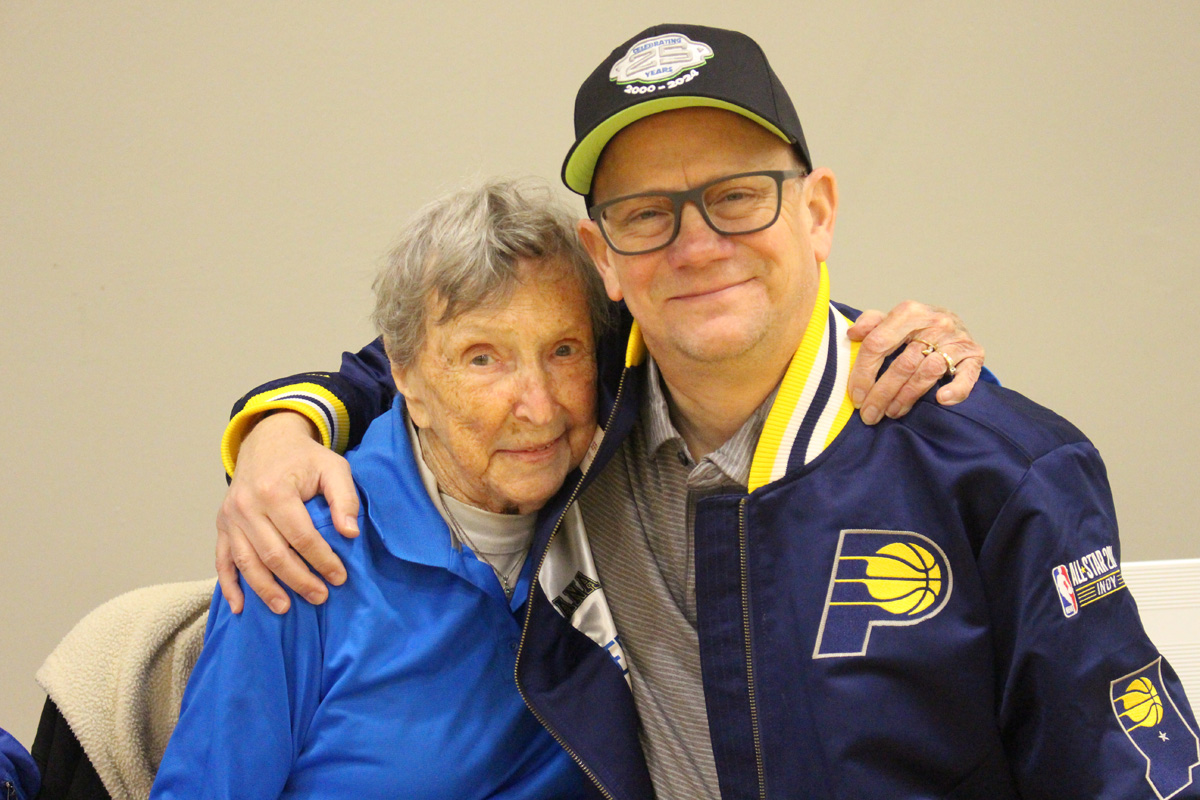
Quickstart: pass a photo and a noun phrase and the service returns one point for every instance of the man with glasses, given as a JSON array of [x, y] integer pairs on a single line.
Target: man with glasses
[[807, 605]]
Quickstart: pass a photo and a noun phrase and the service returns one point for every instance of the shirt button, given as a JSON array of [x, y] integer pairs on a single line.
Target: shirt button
[[513, 646]]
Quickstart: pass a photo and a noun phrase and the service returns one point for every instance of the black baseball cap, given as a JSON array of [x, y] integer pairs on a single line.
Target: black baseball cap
[[677, 66]]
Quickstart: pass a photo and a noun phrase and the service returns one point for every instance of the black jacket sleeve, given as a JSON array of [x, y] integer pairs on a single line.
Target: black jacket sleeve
[[341, 404]]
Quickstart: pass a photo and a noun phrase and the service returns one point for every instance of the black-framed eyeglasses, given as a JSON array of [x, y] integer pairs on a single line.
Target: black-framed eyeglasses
[[735, 204]]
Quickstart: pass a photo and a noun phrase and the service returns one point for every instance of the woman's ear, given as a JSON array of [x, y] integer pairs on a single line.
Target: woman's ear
[[409, 385], [597, 248], [821, 197]]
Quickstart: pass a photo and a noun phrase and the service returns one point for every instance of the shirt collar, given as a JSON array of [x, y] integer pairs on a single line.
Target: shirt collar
[[400, 499], [807, 411], [733, 458], [394, 495]]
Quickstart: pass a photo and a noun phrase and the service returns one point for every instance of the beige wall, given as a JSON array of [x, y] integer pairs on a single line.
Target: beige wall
[[195, 195]]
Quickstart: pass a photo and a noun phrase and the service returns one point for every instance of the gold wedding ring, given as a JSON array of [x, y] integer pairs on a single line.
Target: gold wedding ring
[[930, 347]]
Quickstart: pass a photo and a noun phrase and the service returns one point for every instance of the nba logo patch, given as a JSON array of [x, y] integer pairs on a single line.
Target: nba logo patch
[[1066, 592], [880, 578]]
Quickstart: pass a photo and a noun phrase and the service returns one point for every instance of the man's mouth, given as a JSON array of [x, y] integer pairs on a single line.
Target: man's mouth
[[710, 292]]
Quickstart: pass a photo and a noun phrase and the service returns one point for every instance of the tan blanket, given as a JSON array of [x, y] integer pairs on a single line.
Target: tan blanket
[[119, 675]]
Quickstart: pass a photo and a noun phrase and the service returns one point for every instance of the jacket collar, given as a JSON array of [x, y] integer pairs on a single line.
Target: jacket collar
[[811, 406], [393, 495]]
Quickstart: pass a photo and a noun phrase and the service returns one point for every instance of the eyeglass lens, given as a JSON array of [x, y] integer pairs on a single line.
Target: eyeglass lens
[[739, 204]]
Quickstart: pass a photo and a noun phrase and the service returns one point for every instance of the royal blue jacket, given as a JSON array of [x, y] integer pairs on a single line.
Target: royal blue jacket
[[19, 777], [928, 607], [400, 685]]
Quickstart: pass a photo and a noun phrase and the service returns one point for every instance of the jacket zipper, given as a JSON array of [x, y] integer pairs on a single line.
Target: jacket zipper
[[751, 691], [525, 628], [10, 791]]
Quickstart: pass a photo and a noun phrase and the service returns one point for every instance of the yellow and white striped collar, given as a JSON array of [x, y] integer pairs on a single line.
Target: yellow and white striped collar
[[812, 406]]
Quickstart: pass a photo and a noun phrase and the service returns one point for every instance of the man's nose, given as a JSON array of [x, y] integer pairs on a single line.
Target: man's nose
[[534, 401], [696, 237]]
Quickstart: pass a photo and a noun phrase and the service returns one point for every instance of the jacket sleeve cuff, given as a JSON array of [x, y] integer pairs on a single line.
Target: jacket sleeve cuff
[[319, 405]]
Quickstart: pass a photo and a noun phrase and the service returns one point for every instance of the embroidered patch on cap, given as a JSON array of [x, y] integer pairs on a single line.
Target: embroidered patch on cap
[[660, 58]]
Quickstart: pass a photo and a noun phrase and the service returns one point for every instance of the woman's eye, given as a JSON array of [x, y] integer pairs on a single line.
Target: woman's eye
[[481, 360], [564, 350]]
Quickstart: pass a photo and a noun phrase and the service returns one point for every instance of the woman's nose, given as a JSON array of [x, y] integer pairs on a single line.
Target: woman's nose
[[535, 401]]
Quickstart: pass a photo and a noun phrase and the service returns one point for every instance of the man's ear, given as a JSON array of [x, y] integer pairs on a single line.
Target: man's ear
[[821, 197], [414, 400], [597, 248]]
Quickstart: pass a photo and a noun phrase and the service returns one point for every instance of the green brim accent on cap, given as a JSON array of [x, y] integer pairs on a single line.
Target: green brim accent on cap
[[581, 163]]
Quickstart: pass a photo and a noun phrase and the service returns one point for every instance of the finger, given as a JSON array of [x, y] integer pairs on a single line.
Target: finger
[[890, 333], [933, 368], [865, 323], [257, 576], [889, 385], [295, 527], [260, 552], [965, 377], [902, 323], [227, 576], [968, 364], [866, 365], [881, 336], [338, 488], [281, 561]]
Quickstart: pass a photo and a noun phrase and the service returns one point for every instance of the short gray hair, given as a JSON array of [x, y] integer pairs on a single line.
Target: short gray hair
[[464, 249]]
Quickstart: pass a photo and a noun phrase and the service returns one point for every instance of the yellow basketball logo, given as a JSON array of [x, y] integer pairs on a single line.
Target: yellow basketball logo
[[1143, 707], [880, 578], [903, 577]]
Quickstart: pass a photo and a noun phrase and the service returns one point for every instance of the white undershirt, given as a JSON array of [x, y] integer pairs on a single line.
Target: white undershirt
[[503, 538]]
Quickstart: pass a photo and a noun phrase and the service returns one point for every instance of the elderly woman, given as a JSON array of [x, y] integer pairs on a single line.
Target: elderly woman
[[401, 685]]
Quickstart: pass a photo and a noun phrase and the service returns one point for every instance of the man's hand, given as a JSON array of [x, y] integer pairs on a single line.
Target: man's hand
[[913, 326], [281, 465]]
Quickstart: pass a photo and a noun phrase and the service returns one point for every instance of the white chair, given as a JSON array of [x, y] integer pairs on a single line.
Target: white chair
[[1168, 596]]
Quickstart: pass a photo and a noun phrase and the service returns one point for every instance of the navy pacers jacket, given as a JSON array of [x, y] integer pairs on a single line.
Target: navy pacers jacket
[[929, 607]]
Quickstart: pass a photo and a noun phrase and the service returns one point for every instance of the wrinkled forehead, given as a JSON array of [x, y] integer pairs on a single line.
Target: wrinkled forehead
[[534, 287]]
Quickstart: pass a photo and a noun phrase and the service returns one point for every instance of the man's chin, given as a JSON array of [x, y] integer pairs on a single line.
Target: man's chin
[[716, 342]]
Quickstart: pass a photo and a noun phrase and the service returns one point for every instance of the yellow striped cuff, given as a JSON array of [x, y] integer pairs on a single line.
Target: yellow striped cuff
[[319, 405]]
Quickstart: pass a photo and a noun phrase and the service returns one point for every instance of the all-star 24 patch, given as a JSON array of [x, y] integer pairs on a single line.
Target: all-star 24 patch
[[1087, 579]]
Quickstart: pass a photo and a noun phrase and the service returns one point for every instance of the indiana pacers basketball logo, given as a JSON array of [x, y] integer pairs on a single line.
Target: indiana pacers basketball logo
[[893, 578], [1143, 706], [1148, 715]]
